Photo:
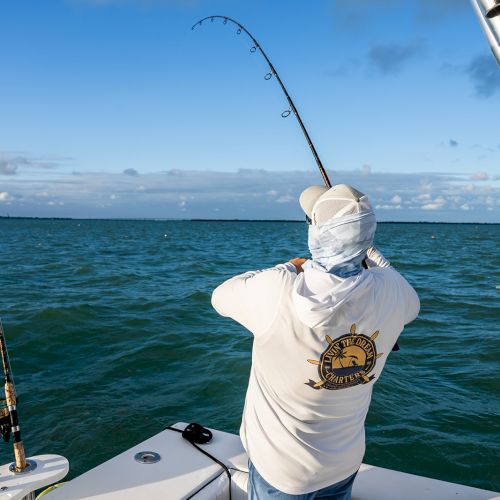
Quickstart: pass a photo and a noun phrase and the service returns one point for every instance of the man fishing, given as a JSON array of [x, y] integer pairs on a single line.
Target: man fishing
[[323, 329]]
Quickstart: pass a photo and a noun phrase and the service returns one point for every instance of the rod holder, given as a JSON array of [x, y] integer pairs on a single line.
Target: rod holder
[[42, 470]]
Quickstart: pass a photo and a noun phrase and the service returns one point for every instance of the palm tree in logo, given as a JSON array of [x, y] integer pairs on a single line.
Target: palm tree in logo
[[339, 356]]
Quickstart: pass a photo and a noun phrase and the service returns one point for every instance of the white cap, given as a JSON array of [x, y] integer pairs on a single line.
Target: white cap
[[322, 204]]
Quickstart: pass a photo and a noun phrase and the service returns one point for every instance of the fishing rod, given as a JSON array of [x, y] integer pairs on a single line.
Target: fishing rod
[[256, 46], [9, 419]]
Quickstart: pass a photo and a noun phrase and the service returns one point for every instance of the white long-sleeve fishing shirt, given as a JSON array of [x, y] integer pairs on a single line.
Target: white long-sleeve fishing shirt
[[320, 343]]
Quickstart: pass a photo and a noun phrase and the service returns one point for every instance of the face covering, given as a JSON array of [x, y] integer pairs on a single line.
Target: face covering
[[340, 245]]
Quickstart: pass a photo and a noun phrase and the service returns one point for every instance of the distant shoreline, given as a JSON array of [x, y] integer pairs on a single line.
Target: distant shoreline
[[4, 217]]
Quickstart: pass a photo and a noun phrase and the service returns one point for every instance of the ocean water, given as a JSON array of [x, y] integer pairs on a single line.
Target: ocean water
[[112, 336]]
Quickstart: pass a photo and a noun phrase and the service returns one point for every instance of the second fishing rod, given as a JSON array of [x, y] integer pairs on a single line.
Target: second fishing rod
[[10, 419]]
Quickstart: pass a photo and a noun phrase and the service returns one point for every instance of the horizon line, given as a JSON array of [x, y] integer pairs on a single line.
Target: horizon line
[[159, 219]]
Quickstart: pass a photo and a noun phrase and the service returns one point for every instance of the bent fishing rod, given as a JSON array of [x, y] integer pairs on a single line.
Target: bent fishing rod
[[9, 420], [256, 46]]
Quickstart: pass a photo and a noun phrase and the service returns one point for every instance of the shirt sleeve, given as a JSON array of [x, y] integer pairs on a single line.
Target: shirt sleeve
[[374, 258], [412, 303], [252, 298]]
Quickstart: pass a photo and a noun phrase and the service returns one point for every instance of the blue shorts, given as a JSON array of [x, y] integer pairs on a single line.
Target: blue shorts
[[260, 489]]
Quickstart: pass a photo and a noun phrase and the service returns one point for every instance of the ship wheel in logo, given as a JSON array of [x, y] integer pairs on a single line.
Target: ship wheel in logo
[[347, 361]]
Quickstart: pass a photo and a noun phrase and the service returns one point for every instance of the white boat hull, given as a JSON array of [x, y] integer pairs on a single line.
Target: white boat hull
[[183, 472]]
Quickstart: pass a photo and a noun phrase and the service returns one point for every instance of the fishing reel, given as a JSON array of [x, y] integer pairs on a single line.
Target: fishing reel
[[5, 424]]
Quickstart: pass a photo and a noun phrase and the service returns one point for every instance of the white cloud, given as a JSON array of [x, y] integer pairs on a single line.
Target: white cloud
[[286, 198], [424, 197], [479, 176], [388, 207], [246, 194], [426, 185], [432, 206]]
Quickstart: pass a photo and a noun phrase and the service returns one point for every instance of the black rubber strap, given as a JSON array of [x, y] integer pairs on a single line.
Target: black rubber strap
[[195, 433]]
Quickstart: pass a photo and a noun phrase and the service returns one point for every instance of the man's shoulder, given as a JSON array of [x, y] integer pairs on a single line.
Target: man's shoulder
[[280, 274], [387, 276], [389, 279], [385, 272]]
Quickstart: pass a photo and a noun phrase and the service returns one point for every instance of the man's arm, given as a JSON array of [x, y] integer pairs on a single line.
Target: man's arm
[[374, 258], [252, 298], [412, 301]]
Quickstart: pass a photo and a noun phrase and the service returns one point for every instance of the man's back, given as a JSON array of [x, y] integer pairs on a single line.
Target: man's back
[[320, 342]]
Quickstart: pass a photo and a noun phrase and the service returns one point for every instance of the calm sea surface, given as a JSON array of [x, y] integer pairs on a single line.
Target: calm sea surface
[[112, 336]]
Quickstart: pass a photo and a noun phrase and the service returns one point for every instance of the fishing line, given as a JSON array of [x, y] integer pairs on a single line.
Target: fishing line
[[292, 109]]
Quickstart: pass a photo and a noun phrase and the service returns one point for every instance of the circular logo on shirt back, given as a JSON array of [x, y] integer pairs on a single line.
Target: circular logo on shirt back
[[347, 361]]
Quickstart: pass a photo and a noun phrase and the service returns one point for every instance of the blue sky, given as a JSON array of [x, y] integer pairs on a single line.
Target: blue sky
[[116, 108]]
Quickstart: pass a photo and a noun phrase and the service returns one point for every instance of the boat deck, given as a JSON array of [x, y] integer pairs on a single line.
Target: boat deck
[[183, 472]]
